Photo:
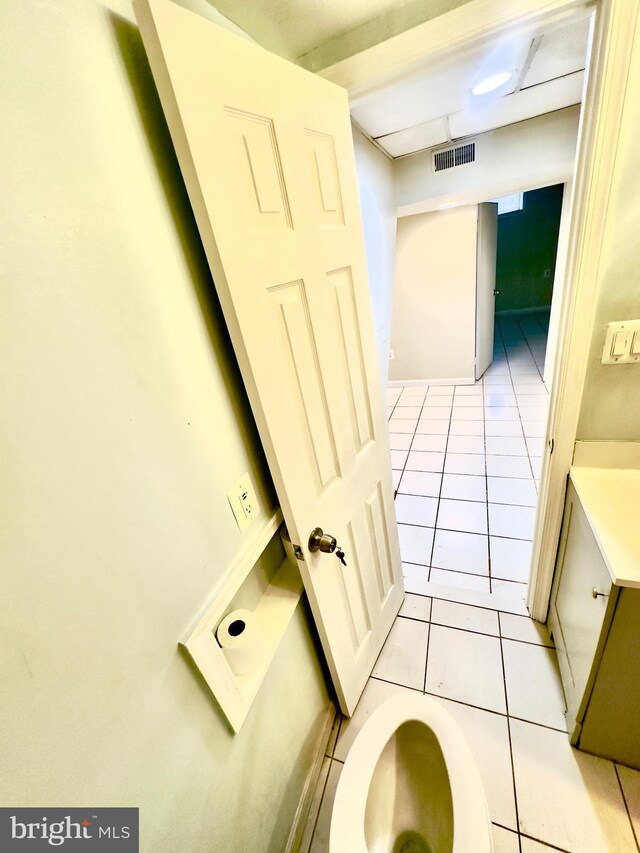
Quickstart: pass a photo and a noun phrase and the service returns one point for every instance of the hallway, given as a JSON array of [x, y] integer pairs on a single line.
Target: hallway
[[466, 463]]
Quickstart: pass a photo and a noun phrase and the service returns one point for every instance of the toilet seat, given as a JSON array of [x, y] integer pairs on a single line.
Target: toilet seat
[[471, 822]]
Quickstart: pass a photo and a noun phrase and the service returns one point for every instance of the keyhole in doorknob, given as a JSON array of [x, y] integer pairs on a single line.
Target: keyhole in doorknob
[[321, 541]]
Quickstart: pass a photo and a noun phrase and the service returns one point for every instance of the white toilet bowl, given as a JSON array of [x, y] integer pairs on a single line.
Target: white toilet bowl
[[410, 785]]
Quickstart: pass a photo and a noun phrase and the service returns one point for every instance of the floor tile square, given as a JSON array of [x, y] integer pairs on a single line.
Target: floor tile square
[[425, 483], [469, 390], [423, 461], [488, 739], [534, 689], [431, 443], [404, 654], [536, 466], [508, 466], [437, 413], [415, 509], [535, 446], [534, 429], [402, 425], [433, 401], [416, 607], [469, 516], [496, 378], [466, 444], [510, 559], [511, 490], [459, 580], [508, 428], [466, 428], [431, 427], [464, 463], [514, 522], [499, 398], [399, 441], [465, 487], [401, 411], [501, 413], [473, 413], [461, 552], [398, 458], [566, 797], [525, 629], [533, 413], [415, 543], [509, 593], [463, 616], [440, 390], [505, 841], [466, 402], [466, 667], [501, 445], [416, 578]]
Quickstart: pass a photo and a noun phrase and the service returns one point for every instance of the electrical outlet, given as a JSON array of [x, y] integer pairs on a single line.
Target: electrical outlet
[[243, 501]]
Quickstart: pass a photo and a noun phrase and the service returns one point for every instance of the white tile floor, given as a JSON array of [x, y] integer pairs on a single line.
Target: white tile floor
[[466, 463], [496, 673], [465, 460]]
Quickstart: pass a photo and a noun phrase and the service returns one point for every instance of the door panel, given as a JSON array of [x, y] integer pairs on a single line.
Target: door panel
[[267, 155]]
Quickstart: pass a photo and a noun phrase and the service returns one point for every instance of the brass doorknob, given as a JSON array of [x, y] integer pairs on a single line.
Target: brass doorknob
[[321, 541]]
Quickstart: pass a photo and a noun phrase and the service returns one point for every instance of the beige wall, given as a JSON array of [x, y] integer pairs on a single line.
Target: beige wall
[[377, 203], [611, 398], [124, 422], [535, 153], [434, 302]]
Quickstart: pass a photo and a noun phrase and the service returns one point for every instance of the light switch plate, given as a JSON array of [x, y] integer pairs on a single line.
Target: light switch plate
[[621, 343], [243, 501]]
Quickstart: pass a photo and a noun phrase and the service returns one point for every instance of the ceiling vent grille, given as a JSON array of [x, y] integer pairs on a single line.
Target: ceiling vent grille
[[454, 157]]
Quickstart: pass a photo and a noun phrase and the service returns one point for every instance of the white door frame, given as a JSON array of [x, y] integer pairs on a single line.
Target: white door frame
[[471, 25]]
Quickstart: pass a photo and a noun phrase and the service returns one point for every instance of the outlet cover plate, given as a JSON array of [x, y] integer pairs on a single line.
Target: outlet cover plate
[[243, 501]]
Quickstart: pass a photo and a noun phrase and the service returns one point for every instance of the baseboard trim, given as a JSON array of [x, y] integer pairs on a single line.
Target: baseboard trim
[[533, 310], [397, 383], [308, 790]]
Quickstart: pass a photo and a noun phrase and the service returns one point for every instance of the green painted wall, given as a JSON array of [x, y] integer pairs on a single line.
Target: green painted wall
[[527, 246]]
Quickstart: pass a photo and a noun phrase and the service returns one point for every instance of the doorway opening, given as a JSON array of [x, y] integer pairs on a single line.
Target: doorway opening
[[467, 457]]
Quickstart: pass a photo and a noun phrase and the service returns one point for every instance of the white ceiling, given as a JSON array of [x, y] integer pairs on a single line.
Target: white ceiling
[[436, 106]]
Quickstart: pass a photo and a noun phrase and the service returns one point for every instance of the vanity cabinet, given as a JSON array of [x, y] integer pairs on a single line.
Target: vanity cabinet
[[594, 614]]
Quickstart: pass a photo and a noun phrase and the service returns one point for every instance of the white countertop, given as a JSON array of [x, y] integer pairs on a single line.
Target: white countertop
[[610, 498]]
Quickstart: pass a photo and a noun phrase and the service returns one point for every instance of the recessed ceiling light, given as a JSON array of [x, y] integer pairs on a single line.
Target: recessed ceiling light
[[491, 83], [446, 204]]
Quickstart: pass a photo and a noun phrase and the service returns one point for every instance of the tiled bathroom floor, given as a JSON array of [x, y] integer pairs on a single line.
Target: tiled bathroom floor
[[496, 673], [466, 463]]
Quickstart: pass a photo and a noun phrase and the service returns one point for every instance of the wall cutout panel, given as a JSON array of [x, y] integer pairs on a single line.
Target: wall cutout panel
[[262, 187], [324, 178], [295, 329]]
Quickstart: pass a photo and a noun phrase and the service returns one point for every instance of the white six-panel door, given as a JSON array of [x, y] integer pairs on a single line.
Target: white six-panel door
[[267, 155]]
